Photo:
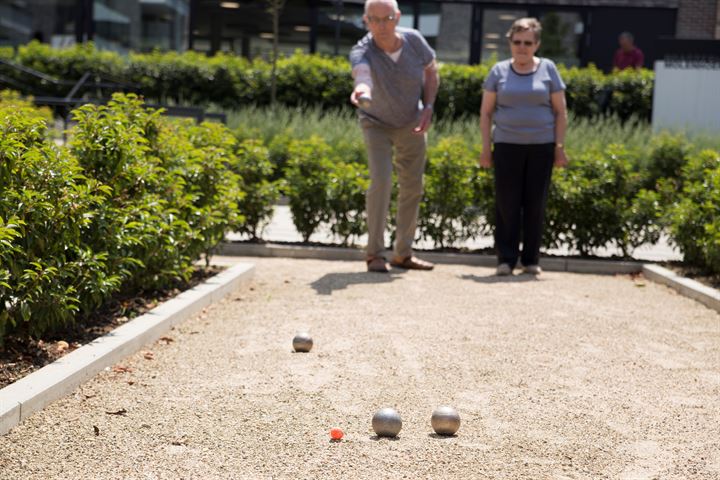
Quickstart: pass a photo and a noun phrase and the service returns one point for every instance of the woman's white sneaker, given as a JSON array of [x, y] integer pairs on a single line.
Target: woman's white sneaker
[[532, 269], [503, 270]]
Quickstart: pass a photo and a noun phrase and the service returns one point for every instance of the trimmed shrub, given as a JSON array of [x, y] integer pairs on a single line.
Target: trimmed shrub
[[346, 203], [255, 171], [460, 92], [589, 200], [447, 212], [131, 204], [631, 93], [210, 184], [695, 218], [49, 271], [113, 144], [668, 155], [308, 184]]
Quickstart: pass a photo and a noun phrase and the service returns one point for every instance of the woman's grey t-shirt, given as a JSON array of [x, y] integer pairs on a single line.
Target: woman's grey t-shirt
[[397, 86], [523, 111]]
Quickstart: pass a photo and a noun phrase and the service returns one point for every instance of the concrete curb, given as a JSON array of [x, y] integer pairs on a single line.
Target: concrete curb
[[708, 296], [35, 391], [554, 264]]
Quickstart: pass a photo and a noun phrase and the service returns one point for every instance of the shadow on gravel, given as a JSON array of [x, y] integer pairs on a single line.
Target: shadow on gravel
[[330, 282], [442, 437], [496, 279], [376, 438]]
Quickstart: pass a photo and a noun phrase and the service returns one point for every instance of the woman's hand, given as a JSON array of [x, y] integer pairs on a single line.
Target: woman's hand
[[486, 158], [561, 159]]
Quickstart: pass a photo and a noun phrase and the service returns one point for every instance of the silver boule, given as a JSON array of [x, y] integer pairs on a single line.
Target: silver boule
[[364, 100], [445, 421], [302, 342], [386, 422]]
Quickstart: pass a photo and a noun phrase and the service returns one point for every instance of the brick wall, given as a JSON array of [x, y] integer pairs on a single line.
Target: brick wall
[[697, 19]]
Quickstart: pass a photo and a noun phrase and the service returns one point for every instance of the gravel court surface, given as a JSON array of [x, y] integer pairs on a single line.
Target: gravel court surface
[[564, 377]]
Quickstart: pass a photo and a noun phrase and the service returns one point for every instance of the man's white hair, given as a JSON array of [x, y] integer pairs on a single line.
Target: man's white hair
[[392, 3]]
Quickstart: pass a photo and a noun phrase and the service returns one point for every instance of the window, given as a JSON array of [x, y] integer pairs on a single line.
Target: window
[[454, 27], [496, 23]]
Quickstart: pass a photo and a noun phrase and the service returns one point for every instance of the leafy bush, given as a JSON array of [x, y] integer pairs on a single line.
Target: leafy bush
[[668, 155], [447, 214], [460, 93], [48, 269], [695, 218], [131, 204], [255, 173], [590, 199], [308, 184], [346, 202], [631, 93], [586, 94], [211, 186], [114, 144]]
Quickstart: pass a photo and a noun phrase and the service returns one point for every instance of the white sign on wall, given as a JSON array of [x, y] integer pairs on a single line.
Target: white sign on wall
[[686, 96]]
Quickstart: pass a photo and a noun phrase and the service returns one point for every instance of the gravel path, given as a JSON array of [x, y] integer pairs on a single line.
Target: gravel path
[[568, 376]]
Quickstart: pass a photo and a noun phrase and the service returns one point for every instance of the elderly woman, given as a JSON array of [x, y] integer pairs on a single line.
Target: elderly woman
[[525, 99]]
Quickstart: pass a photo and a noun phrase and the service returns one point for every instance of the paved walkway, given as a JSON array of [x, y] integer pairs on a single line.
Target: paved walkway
[[282, 229], [563, 377]]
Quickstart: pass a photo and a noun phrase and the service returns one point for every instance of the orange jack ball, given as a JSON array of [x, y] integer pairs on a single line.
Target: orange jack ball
[[336, 433]]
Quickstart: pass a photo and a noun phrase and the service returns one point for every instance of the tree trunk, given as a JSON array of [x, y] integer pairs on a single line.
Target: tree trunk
[[277, 5]]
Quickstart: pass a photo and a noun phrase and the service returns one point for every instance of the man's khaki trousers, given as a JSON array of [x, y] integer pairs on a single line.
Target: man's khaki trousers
[[410, 165]]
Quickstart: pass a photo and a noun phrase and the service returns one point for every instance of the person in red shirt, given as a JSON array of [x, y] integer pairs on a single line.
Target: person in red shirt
[[628, 55]]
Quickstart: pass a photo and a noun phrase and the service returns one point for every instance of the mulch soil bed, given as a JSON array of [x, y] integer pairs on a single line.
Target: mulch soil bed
[[21, 355]]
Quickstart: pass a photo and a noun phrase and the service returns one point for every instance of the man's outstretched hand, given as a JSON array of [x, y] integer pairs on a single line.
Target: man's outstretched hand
[[360, 89]]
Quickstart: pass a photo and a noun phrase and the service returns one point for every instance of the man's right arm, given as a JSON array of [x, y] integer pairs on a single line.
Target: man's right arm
[[361, 73], [363, 82]]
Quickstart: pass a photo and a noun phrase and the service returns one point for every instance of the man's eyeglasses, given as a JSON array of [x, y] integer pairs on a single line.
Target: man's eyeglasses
[[527, 43], [380, 20]]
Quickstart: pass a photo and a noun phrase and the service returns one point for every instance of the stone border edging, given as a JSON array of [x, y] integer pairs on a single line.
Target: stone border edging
[[555, 264], [690, 288], [21, 399], [708, 296]]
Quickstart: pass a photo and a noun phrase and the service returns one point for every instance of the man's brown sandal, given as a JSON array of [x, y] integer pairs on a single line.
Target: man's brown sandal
[[377, 264], [412, 263]]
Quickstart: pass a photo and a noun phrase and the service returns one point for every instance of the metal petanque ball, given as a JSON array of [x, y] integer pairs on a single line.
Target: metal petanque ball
[[445, 421], [365, 100], [302, 342], [386, 422]]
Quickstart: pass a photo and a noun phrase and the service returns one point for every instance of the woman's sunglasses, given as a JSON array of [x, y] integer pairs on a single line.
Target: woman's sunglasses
[[527, 43]]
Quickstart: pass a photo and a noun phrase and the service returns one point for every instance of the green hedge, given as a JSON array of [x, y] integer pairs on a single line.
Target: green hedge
[[607, 196], [231, 82], [129, 205]]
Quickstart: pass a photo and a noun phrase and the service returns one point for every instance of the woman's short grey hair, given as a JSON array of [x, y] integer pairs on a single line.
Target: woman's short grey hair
[[392, 3], [527, 24]]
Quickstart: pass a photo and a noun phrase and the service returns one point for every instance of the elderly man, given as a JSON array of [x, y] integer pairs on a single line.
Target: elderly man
[[393, 68]]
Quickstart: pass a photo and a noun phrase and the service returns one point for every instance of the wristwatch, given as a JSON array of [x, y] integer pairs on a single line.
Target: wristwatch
[[428, 105], [559, 145]]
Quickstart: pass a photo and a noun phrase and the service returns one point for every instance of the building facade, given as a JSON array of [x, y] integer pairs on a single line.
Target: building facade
[[576, 32], [120, 25]]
